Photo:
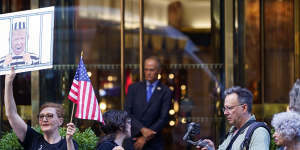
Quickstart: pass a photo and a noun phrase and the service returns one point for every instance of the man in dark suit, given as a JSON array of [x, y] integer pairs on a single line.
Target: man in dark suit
[[148, 104]]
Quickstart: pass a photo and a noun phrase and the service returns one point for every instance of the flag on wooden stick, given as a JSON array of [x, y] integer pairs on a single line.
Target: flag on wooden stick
[[82, 94]]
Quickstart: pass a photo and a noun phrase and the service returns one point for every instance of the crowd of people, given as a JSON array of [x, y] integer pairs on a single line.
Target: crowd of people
[[147, 106], [237, 109], [139, 126], [50, 119]]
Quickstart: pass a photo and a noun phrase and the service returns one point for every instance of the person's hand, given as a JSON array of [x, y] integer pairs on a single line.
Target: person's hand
[[8, 60], [70, 131], [118, 148], [139, 143], [148, 133], [209, 143], [9, 78], [26, 58]]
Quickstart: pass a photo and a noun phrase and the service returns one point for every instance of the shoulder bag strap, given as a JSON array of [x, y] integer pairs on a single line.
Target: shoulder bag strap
[[238, 133]]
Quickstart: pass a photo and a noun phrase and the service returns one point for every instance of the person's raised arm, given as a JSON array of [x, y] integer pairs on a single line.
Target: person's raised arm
[[16, 122]]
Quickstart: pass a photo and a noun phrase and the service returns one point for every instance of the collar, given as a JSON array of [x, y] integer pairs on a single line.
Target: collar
[[154, 83], [233, 128]]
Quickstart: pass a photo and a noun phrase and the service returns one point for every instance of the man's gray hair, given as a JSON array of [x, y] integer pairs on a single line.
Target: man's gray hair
[[287, 124], [244, 95], [155, 58], [295, 97]]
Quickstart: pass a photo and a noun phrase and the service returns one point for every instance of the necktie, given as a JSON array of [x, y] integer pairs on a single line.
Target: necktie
[[149, 92]]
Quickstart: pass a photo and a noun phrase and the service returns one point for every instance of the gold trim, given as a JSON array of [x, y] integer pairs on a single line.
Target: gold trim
[[35, 97], [262, 51], [195, 30], [297, 40], [141, 34], [228, 37], [122, 53]]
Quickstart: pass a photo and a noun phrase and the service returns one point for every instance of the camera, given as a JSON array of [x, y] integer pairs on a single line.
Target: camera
[[193, 129]]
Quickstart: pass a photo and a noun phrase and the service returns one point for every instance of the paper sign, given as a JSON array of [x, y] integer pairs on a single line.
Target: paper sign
[[26, 40]]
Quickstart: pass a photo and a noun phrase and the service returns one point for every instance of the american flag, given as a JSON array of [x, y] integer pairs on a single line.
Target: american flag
[[82, 94]]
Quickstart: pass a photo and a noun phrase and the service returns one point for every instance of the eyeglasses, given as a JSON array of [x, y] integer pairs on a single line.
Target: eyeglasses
[[229, 108], [48, 116]]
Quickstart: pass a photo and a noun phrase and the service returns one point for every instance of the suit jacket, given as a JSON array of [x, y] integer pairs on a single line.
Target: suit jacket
[[152, 114]]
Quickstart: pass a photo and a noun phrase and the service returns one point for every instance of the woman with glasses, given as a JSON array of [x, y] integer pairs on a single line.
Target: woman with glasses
[[50, 119], [287, 130], [117, 127]]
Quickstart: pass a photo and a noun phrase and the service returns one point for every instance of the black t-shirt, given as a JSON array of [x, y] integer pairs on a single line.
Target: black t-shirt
[[107, 145], [35, 141]]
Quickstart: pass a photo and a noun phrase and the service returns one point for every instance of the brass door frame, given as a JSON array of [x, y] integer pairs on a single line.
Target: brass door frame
[[122, 64], [228, 41], [262, 51], [141, 37], [297, 40], [141, 43], [35, 84]]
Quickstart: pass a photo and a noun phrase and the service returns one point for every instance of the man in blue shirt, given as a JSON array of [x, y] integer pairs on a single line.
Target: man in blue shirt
[[148, 104]]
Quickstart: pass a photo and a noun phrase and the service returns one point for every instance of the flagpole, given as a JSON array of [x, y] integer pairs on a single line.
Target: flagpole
[[72, 112], [74, 103]]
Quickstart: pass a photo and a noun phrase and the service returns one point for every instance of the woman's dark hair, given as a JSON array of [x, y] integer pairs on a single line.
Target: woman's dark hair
[[114, 121]]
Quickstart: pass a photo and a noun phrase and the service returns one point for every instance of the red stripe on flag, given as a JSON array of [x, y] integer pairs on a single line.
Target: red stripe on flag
[[99, 115], [75, 85], [89, 102], [74, 92], [94, 108], [77, 111], [83, 98], [72, 99]]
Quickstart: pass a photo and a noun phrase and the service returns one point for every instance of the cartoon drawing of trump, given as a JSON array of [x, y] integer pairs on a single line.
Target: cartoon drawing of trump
[[18, 55]]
